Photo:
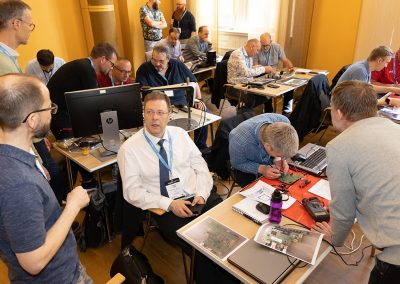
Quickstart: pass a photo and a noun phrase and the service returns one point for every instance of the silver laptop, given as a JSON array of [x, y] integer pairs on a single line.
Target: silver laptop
[[311, 158], [263, 264]]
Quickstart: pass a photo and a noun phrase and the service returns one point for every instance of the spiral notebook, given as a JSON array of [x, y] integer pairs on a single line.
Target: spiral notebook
[[247, 207]]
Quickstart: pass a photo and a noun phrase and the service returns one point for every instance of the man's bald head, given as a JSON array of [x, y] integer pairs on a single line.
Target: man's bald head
[[19, 95]]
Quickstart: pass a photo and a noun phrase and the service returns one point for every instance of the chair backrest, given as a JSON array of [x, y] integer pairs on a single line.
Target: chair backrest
[[308, 111], [338, 75], [220, 79]]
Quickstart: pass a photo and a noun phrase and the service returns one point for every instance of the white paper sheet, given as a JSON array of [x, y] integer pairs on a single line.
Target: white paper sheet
[[321, 188]]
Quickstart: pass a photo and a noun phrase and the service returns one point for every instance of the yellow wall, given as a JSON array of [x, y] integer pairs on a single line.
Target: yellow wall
[[136, 45], [334, 30], [59, 27]]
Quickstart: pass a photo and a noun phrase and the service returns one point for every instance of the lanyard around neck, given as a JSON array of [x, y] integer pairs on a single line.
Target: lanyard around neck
[[11, 58], [153, 147]]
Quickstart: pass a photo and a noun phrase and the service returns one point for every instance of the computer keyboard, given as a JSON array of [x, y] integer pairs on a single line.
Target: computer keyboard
[[314, 159]]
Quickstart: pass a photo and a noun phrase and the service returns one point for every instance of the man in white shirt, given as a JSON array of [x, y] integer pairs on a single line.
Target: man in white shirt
[[241, 69], [44, 66], [160, 166]]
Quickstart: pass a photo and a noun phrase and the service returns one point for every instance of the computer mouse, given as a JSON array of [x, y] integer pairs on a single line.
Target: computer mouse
[[263, 208]]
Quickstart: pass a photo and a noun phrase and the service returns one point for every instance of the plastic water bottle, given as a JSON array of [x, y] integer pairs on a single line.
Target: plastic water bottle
[[275, 213]]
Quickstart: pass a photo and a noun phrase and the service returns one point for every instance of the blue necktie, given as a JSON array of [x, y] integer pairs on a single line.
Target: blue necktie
[[164, 176]]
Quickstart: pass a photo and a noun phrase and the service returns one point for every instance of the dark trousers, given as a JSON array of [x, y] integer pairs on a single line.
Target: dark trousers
[[384, 273], [206, 271], [242, 178]]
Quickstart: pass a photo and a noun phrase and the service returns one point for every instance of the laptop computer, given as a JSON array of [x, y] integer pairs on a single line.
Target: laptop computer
[[263, 264], [311, 158]]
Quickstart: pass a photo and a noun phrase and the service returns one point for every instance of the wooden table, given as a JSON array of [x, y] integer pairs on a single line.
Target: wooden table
[[274, 93], [224, 214]]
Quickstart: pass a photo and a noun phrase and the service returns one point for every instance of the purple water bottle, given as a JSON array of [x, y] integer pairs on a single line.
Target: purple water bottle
[[275, 213]]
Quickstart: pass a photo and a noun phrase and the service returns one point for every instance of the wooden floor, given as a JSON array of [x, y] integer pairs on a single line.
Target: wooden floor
[[166, 260]]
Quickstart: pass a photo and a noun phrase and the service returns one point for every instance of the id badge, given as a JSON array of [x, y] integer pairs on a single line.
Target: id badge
[[175, 188]]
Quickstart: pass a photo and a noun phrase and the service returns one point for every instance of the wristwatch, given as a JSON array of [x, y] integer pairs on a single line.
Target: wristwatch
[[387, 101]]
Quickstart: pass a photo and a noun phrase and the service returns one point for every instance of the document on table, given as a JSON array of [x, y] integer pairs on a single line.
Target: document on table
[[321, 188], [262, 192]]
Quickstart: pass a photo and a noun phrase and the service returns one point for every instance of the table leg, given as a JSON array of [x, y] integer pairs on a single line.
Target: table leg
[[69, 173], [191, 279], [106, 211]]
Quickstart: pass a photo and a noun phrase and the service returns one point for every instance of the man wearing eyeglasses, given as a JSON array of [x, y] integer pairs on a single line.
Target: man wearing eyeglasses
[[118, 76], [75, 76], [162, 70], [36, 242], [15, 28], [162, 168], [269, 56]]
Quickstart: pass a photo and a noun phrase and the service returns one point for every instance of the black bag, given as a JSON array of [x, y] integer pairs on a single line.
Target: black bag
[[94, 232], [135, 267]]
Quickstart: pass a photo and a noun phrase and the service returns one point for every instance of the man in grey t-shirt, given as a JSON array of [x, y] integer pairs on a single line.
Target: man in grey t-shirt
[[36, 242]]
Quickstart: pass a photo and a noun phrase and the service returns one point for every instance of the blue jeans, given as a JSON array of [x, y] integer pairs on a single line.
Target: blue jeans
[[83, 278]]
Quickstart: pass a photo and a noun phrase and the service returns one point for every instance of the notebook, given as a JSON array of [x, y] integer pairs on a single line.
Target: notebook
[[262, 263], [247, 207], [311, 158]]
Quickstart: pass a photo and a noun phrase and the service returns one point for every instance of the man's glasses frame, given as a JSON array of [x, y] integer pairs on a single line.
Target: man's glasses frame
[[123, 71], [53, 110], [151, 112], [112, 63], [30, 25]]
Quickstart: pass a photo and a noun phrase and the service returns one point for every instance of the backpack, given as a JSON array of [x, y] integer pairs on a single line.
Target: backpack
[[94, 232], [135, 267]]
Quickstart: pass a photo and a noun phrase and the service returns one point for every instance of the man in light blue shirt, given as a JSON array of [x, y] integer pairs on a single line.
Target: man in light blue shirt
[[361, 71], [259, 145], [173, 44]]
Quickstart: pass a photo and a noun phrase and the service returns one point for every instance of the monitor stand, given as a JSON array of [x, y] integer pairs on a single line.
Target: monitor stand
[[186, 123], [111, 140]]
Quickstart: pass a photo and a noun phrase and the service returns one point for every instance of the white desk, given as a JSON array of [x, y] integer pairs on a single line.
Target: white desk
[[91, 164], [224, 214]]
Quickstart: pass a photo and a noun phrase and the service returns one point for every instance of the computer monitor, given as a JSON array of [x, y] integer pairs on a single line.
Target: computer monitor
[[189, 88], [85, 108]]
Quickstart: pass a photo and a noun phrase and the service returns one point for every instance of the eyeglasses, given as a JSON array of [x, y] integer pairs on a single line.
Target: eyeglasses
[[112, 63], [151, 112], [53, 110], [30, 25], [123, 71]]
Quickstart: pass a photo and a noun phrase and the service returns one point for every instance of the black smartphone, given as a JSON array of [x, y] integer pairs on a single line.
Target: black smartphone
[[196, 209]]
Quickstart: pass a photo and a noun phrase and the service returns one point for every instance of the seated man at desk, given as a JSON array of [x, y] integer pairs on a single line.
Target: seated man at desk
[[173, 44], [161, 70], [389, 75], [118, 76], [159, 165], [361, 71], [269, 55], [241, 69], [198, 45], [259, 146], [363, 186]]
